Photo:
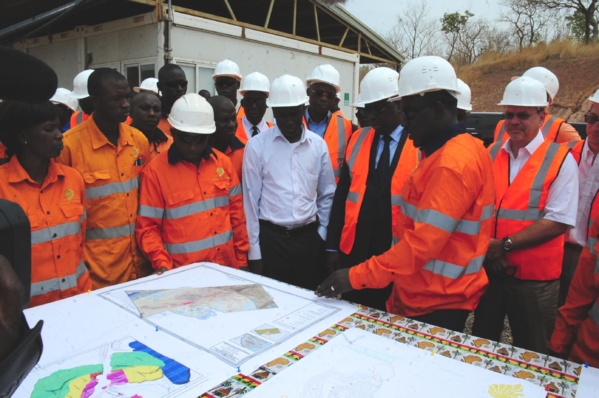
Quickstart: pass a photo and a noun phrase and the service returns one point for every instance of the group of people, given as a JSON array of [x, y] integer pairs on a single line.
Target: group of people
[[406, 213]]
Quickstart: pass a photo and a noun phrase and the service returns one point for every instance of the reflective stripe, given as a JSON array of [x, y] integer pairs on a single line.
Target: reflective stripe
[[64, 283], [79, 117], [109, 233], [594, 313], [395, 200], [337, 172], [454, 271], [394, 240], [196, 207], [353, 196], [236, 190], [495, 149], [547, 127], [571, 144], [591, 242], [501, 132], [341, 140], [56, 232], [112, 188], [152, 212], [351, 160], [533, 213], [198, 245]]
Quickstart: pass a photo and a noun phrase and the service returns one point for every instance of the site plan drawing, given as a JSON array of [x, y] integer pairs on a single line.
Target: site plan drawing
[[231, 317]]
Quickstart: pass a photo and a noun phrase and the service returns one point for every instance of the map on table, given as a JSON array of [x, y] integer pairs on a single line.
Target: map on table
[[121, 368], [220, 312]]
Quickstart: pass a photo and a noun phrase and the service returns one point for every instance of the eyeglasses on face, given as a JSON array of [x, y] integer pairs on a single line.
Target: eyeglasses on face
[[519, 115], [189, 139], [378, 109], [590, 118], [408, 113], [177, 83], [320, 93]]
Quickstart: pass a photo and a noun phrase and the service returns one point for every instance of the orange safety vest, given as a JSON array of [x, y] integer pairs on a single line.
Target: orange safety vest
[[189, 214], [550, 129], [111, 181], [243, 135], [522, 202], [358, 162], [437, 262], [79, 117], [160, 148], [56, 212]]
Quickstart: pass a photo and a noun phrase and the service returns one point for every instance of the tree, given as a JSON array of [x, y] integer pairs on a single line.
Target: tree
[[415, 35], [527, 21], [452, 25], [576, 23], [587, 8]]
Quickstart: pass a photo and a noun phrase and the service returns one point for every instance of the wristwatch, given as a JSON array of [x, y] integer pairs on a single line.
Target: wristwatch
[[507, 244]]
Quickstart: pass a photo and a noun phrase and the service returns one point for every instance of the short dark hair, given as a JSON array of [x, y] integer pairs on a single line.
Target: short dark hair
[[16, 116], [95, 83], [162, 72]]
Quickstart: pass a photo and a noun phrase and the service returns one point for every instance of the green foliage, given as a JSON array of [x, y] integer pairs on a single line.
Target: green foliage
[[576, 23], [453, 23]]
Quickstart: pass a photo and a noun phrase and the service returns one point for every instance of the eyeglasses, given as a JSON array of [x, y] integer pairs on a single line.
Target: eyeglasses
[[189, 139], [377, 110], [176, 83], [590, 119], [408, 113], [320, 93], [519, 115], [259, 102]]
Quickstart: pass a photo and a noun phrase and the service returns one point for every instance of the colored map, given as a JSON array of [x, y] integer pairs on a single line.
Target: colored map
[[201, 303], [126, 368]]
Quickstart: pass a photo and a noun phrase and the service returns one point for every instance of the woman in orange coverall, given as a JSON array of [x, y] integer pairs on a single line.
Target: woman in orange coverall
[[52, 195]]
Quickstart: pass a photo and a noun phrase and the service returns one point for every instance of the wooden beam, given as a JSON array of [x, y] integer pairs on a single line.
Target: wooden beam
[[294, 16], [316, 21], [230, 10], [272, 3], [344, 36]]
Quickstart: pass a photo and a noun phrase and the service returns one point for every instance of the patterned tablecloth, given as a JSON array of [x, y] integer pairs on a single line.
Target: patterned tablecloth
[[558, 376]]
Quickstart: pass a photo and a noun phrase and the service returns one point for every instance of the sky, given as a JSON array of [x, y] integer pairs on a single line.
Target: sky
[[381, 15]]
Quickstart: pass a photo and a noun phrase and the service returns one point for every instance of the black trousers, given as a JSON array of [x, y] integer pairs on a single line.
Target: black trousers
[[448, 319], [296, 257]]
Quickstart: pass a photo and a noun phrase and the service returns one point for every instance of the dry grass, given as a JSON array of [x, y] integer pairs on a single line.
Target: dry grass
[[535, 55]]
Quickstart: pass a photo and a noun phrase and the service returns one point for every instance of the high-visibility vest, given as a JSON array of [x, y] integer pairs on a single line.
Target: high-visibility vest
[[522, 202], [79, 117], [56, 212], [243, 135], [337, 135], [550, 129], [189, 214], [358, 162]]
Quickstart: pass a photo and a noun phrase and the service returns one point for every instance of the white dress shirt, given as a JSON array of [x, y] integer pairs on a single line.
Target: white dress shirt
[[563, 193], [247, 126], [588, 181], [286, 184]]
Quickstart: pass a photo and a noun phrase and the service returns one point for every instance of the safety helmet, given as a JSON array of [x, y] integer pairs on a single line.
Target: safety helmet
[[324, 74], [286, 91], [63, 96], [378, 84], [358, 103], [426, 74], [255, 81], [192, 114], [464, 97], [149, 84], [80, 84], [595, 97], [524, 91], [546, 77], [227, 68]]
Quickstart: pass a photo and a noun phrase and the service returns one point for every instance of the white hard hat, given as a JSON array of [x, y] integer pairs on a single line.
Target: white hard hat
[[524, 91], [595, 97], [63, 96], [286, 91], [80, 84], [546, 77], [465, 96], [149, 84], [227, 68], [255, 81], [192, 114], [358, 103], [426, 74], [325, 74], [378, 84]]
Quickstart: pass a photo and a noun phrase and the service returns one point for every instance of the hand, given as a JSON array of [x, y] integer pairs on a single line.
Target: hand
[[495, 249], [335, 285], [160, 270], [256, 266], [333, 262], [496, 266]]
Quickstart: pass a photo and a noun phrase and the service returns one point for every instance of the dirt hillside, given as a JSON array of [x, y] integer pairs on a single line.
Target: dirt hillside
[[578, 79]]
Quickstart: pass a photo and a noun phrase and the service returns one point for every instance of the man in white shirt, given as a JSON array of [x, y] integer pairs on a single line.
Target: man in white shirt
[[288, 192], [536, 185], [254, 90], [585, 152]]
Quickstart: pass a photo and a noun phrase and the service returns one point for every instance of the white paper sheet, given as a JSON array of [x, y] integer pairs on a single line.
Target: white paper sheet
[[359, 364], [588, 384]]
